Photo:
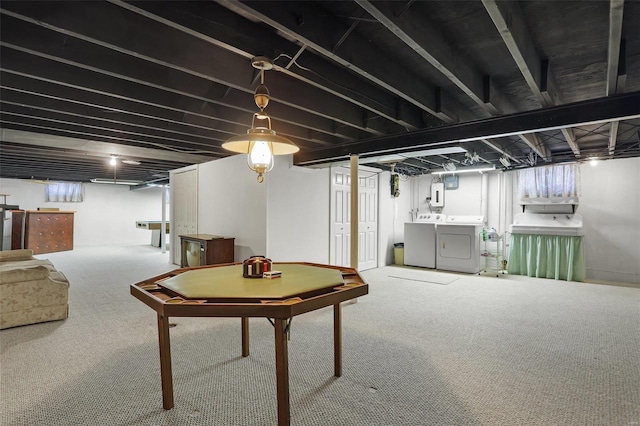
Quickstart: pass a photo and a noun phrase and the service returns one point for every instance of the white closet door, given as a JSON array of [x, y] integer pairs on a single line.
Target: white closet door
[[340, 217], [184, 209]]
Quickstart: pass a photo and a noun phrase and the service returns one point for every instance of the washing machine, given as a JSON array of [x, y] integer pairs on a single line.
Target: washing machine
[[420, 240], [458, 240]]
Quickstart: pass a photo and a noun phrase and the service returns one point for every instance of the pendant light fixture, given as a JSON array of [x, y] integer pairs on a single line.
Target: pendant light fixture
[[261, 143]]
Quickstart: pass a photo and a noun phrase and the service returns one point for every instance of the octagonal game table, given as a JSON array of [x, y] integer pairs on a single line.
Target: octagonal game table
[[221, 291]]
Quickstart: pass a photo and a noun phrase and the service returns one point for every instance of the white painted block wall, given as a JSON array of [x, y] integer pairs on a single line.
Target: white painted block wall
[[610, 207], [107, 216], [609, 204]]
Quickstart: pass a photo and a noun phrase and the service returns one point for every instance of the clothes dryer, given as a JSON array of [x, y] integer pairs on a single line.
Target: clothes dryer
[[458, 242], [420, 240]]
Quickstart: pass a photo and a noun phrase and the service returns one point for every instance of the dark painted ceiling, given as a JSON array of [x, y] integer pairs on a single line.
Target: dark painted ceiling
[[165, 83]]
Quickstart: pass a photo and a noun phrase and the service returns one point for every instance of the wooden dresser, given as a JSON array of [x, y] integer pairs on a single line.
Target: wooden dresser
[[42, 231]]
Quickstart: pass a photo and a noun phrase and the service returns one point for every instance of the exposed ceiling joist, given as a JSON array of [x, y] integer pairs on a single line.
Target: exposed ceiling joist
[[601, 110], [423, 37], [502, 150], [337, 90], [229, 69], [354, 52], [534, 142], [613, 136], [176, 76], [510, 23], [616, 9], [97, 149], [571, 140]]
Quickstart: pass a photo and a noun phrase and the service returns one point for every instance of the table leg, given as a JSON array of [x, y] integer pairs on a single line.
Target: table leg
[[165, 362], [282, 372], [337, 340], [245, 336]]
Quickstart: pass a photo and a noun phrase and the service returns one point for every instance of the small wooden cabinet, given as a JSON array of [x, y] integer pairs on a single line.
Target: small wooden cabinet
[[42, 231], [205, 249]]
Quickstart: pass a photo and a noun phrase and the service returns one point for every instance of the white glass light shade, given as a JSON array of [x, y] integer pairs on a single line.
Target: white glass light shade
[[260, 158], [260, 144], [260, 153]]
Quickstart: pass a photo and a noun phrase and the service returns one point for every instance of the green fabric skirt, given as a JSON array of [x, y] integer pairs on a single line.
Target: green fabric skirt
[[560, 257]]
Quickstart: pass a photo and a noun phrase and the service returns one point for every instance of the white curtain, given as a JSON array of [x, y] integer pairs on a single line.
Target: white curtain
[[560, 180], [66, 192]]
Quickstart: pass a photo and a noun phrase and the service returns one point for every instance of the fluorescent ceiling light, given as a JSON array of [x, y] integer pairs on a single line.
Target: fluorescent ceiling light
[[465, 170], [116, 181], [389, 158]]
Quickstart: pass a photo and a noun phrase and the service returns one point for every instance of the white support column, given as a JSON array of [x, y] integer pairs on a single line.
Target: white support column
[[354, 211], [163, 225]]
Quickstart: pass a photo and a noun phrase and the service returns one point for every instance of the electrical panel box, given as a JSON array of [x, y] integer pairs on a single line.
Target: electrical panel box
[[450, 181], [437, 194]]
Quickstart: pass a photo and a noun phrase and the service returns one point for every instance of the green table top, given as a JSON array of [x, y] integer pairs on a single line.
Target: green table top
[[228, 282]]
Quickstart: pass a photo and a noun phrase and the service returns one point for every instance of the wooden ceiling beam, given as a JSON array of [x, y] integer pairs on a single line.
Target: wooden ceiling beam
[[355, 52], [616, 62], [499, 148], [571, 140], [426, 40], [510, 23], [613, 136], [616, 9], [94, 148], [229, 68], [61, 81], [321, 74], [533, 141]]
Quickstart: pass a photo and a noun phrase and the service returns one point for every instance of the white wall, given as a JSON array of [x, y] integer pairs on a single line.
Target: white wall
[[285, 218], [393, 213], [610, 207], [107, 216], [297, 213], [232, 203], [466, 200]]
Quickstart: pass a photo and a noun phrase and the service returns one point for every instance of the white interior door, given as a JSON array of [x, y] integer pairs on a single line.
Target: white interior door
[[184, 209], [368, 222], [340, 206], [340, 215]]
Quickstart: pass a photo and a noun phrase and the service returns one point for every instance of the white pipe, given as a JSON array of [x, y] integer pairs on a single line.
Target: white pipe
[[484, 207], [508, 207]]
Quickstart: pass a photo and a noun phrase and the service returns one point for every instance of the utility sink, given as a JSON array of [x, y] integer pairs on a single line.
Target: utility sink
[[547, 224]]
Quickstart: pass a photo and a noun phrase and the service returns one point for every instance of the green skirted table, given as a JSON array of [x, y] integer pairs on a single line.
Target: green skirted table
[[559, 257], [221, 291]]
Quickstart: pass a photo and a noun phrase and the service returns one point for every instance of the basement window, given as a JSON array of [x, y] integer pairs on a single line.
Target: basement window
[[559, 180], [64, 192]]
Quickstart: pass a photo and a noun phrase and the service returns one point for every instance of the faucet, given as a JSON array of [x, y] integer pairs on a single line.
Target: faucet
[[568, 218], [554, 218]]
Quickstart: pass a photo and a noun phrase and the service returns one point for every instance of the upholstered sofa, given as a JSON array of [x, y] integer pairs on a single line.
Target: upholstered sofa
[[31, 290]]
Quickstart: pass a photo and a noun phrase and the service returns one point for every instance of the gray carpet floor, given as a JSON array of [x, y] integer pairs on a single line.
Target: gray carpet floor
[[422, 348]]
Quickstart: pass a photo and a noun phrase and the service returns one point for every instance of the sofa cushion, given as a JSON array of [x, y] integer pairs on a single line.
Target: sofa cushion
[[16, 274], [13, 255], [29, 263], [23, 259]]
